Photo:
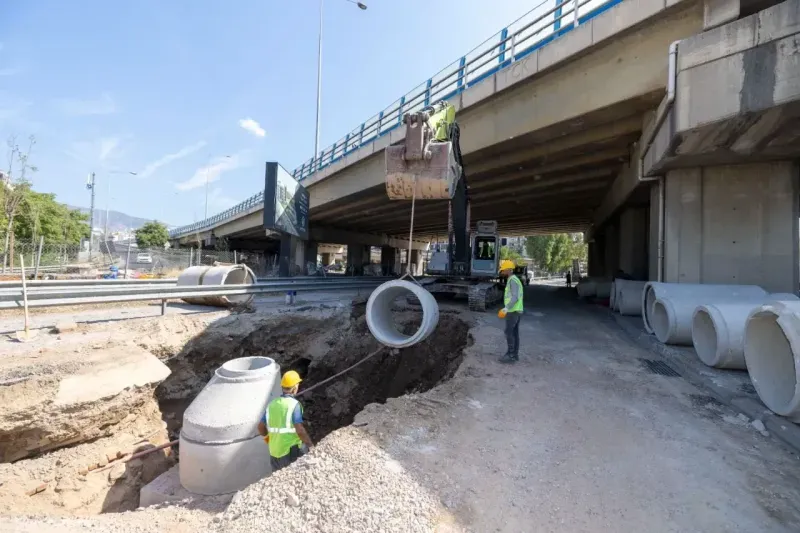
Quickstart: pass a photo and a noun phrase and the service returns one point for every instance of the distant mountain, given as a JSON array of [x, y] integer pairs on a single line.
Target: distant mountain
[[116, 221]]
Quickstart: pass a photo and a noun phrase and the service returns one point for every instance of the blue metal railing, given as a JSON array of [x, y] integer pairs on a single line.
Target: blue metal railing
[[547, 21]]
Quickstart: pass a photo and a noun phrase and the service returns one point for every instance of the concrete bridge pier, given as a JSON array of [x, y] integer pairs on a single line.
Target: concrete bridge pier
[[357, 256], [732, 224], [390, 260]]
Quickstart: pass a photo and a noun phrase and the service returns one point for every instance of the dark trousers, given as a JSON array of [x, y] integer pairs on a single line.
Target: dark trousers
[[512, 334], [295, 453]]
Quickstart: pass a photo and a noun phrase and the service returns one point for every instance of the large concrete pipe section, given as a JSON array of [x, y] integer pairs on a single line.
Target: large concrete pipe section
[[672, 316], [654, 290], [218, 275], [718, 331], [603, 289], [379, 313], [587, 288], [772, 354], [612, 299], [221, 450], [629, 297]]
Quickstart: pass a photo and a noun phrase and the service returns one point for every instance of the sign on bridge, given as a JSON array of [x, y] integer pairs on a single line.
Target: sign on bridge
[[285, 202]]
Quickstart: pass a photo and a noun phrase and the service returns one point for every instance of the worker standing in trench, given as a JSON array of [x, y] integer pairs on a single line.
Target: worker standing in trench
[[511, 311], [282, 425]]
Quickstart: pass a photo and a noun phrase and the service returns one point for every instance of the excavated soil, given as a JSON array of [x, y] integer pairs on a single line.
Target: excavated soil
[[319, 347], [72, 452]]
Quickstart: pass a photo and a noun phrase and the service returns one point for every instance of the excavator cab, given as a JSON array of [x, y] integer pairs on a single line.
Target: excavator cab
[[427, 161], [485, 250]]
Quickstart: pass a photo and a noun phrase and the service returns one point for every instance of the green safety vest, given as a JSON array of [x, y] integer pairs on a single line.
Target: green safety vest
[[507, 296], [282, 434]]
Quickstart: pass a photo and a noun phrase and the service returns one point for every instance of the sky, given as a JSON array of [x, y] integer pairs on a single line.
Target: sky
[[181, 92]]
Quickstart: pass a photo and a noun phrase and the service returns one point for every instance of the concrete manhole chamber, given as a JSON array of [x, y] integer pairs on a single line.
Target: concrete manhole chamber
[[221, 450]]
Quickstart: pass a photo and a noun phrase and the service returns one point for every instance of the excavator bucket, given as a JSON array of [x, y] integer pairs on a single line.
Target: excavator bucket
[[426, 160], [434, 178]]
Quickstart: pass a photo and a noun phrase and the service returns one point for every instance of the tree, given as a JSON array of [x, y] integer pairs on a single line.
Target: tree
[[555, 252], [512, 255], [151, 235], [42, 216], [14, 189]]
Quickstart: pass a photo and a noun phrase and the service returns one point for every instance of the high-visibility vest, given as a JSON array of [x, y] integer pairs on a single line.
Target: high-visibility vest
[[282, 434], [517, 308]]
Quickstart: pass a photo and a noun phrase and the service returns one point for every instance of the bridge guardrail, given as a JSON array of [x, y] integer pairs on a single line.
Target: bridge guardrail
[[539, 26]]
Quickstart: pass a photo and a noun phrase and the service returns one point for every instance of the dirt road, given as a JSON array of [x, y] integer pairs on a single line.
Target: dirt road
[[579, 436]]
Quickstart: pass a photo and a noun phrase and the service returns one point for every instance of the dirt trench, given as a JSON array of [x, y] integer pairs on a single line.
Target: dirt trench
[[318, 348]]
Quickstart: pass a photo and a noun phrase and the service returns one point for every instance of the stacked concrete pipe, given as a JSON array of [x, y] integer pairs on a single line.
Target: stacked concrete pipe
[[218, 275], [772, 355], [718, 330], [699, 293], [221, 450], [612, 299], [379, 313], [586, 288], [629, 297]]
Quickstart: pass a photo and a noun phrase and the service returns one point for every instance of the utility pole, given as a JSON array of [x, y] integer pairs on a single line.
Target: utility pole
[[90, 186]]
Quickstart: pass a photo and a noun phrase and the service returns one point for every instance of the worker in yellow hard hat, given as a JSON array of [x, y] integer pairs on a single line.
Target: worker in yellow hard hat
[[511, 311], [282, 425]]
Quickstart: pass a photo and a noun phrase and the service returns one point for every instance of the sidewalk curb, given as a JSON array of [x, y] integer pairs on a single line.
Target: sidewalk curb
[[780, 427]]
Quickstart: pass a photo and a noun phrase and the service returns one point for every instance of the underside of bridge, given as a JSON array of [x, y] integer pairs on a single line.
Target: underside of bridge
[[548, 181]]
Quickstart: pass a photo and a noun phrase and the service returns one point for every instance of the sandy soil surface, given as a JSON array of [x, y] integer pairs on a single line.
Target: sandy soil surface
[[577, 437]]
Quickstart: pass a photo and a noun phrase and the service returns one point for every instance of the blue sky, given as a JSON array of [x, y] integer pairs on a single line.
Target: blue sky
[[174, 90]]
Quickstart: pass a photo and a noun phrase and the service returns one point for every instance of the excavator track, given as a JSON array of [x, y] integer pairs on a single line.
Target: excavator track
[[483, 295]]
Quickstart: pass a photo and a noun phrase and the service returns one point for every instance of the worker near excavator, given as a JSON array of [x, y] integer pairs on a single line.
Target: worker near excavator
[[511, 311], [282, 425]]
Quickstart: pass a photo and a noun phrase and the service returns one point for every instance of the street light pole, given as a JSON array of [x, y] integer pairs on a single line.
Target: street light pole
[[319, 72], [108, 199]]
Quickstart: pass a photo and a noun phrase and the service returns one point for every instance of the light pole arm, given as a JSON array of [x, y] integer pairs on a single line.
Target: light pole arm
[[319, 80]]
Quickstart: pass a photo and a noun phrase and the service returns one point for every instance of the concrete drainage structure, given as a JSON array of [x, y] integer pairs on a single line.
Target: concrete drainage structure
[[220, 448], [702, 293], [218, 275], [772, 354], [379, 314], [628, 299], [718, 331]]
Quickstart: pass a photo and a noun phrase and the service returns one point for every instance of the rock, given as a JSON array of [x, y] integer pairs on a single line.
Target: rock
[[116, 472], [65, 327], [292, 500], [758, 425]]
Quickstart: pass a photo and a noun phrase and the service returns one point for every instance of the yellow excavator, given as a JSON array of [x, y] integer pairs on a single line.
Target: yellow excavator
[[428, 165]]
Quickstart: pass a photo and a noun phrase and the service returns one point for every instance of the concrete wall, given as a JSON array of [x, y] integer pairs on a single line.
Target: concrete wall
[[654, 242], [633, 242], [733, 224]]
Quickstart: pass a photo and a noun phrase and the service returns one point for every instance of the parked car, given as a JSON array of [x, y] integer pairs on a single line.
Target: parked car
[[144, 258]]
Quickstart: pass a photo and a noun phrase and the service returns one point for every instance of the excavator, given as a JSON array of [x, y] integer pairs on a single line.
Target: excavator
[[428, 165]]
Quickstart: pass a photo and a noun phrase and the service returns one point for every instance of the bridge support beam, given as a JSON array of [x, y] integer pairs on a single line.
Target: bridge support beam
[[390, 259], [733, 224], [633, 242], [357, 256]]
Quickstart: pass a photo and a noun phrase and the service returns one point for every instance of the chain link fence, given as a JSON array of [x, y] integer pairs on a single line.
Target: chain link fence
[[55, 257]]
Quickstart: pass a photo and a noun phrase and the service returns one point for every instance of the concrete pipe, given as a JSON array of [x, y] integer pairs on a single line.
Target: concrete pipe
[[603, 289], [772, 354], [612, 299], [718, 331], [587, 288], [379, 313], [221, 450], [629, 297], [218, 275], [655, 289]]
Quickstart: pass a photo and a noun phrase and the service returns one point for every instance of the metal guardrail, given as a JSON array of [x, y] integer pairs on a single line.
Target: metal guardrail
[[538, 27], [67, 296], [17, 285]]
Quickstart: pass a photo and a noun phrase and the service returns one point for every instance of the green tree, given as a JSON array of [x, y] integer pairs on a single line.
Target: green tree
[[13, 190], [151, 235], [42, 216], [555, 252], [512, 255]]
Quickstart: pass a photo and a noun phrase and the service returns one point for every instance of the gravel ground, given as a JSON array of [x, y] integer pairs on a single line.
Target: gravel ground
[[346, 485]]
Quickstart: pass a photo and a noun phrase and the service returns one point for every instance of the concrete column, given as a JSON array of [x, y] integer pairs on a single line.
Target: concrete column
[[357, 257], [388, 260], [327, 259], [311, 249], [287, 255], [733, 224], [719, 12], [416, 262], [654, 242], [611, 250], [596, 256], [633, 242]]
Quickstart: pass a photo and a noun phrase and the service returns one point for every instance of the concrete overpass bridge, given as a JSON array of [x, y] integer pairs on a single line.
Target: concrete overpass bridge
[[665, 129]]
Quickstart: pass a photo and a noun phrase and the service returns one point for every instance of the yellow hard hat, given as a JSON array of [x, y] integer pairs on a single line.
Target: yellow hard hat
[[290, 379], [505, 264]]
